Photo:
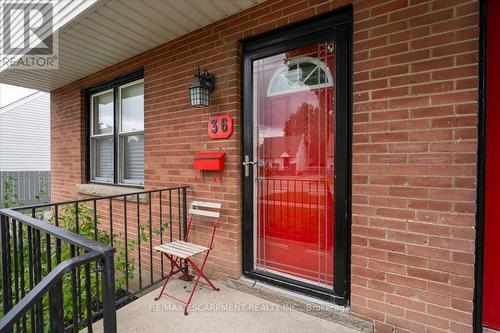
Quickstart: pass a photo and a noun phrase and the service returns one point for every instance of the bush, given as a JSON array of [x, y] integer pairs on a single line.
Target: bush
[[86, 227]]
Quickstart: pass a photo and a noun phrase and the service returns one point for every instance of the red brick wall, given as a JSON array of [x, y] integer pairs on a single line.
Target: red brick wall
[[414, 163], [414, 147]]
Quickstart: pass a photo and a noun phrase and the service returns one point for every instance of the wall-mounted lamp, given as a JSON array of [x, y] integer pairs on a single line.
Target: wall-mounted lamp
[[199, 91]]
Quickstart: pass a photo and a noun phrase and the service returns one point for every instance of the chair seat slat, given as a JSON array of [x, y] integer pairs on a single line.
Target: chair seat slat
[[181, 249], [172, 251], [187, 248], [190, 245]]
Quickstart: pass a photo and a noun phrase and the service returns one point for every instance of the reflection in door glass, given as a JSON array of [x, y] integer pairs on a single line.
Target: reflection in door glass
[[294, 145]]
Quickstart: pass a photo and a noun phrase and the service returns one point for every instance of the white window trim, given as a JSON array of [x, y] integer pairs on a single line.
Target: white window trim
[[93, 138], [120, 157], [295, 61]]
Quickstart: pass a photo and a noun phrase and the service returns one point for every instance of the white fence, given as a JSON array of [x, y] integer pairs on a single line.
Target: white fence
[[30, 187]]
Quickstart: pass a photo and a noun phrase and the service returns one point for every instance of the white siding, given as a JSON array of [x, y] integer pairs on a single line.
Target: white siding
[[25, 134], [94, 35]]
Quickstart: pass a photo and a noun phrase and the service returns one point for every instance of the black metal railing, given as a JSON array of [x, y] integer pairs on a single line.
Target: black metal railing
[[33, 276], [131, 224]]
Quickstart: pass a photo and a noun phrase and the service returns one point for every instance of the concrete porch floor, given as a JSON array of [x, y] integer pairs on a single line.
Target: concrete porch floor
[[227, 310]]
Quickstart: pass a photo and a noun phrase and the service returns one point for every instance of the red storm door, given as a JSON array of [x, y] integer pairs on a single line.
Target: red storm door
[[294, 147], [491, 272]]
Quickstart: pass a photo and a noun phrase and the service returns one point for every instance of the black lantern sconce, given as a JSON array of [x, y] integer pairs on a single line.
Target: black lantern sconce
[[199, 91]]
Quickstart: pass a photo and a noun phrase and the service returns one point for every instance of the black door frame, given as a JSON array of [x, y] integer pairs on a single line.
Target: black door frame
[[481, 173], [336, 25]]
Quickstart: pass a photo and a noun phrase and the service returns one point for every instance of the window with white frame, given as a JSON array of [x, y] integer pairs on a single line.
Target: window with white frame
[[117, 134], [300, 74]]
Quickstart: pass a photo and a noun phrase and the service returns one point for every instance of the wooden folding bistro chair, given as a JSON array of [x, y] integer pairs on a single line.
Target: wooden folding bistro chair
[[181, 250]]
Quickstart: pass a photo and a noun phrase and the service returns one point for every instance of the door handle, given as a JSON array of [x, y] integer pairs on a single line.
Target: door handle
[[246, 165]]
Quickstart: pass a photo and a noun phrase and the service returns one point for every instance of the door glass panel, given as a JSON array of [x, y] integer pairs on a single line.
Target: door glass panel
[[294, 148]]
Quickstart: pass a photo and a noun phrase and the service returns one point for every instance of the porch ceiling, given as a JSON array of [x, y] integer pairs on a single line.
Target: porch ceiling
[[110, 31]]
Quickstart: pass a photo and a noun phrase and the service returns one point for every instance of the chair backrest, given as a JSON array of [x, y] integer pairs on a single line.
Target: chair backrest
[[204, 209]]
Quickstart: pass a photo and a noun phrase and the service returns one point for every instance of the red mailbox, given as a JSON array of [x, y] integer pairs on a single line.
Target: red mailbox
[[209, 161]]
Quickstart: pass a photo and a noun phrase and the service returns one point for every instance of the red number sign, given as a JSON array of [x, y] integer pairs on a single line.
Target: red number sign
[[220, 126]]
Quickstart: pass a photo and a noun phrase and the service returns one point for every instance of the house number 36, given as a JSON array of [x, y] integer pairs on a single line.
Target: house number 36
[[220, 126]]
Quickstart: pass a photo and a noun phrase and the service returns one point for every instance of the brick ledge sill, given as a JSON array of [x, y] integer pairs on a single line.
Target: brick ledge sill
[[98, 190]]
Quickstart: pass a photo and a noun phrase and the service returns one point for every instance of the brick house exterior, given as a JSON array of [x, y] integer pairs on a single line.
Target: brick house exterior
[[415, 91]]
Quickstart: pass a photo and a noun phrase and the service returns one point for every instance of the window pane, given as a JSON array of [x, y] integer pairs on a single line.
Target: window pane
[[103, 113], [103, 154], [133, 157], [302, 73], [133, 108], [292, 74], [305, 69], [313, 78]]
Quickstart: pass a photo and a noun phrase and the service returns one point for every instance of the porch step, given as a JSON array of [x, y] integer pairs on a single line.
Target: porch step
[[317, 308]]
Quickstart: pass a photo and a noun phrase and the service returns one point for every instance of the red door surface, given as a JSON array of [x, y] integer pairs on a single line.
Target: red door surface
[[294, 145], [491, 272]]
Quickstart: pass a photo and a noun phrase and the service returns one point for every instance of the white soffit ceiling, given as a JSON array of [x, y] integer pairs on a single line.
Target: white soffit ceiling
[[95, 34]]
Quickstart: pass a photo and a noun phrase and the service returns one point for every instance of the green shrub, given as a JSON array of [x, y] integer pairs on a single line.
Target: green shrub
[[86, 227]]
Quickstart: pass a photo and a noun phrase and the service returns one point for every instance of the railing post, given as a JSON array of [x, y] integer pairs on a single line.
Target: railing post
[[184, 223], [184, 211], [6, 274], [108, 291], [56, 308]]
